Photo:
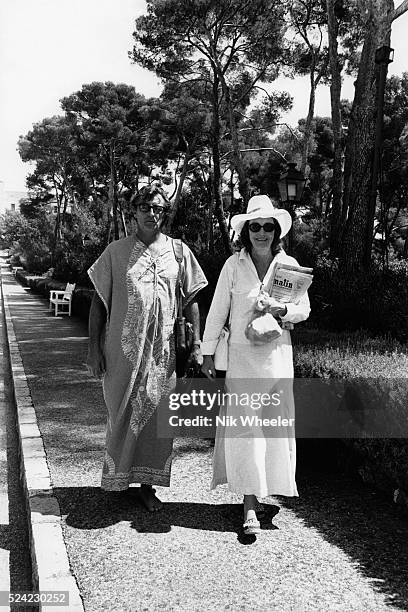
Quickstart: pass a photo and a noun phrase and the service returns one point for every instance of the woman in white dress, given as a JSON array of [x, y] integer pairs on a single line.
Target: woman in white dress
[[254, 462]]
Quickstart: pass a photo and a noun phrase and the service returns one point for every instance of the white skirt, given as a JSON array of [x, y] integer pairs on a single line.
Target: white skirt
[[254, 460]]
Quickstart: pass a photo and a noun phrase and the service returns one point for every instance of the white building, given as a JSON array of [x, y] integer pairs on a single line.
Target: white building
[[10, 200]]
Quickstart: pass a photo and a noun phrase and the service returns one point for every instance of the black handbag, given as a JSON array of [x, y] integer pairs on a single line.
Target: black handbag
[[183, 330]]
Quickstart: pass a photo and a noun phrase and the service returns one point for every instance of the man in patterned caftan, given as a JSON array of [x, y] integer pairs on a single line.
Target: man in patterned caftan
[[131, 331]]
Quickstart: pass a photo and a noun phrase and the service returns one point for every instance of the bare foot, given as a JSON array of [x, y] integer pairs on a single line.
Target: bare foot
[[149, 499]]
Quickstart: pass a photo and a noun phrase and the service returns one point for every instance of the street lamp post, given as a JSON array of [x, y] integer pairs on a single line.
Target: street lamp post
[[291, 184]]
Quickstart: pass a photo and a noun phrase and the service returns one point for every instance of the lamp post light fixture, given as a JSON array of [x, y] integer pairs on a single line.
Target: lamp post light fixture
[[384, 55], [291, 185]]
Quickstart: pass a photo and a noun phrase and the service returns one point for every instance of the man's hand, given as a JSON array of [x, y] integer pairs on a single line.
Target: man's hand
[[195, 358], [95, 363]]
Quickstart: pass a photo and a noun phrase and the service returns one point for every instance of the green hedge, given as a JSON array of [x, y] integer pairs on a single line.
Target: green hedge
[[81, 300]]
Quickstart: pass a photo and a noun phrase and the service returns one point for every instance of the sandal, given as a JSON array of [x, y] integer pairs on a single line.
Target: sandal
[[252, 526]]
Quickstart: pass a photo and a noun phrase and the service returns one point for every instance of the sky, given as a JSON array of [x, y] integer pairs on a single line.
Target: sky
[[50, 48]]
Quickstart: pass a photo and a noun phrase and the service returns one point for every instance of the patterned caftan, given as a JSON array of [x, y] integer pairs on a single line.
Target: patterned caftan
[[137, 284]]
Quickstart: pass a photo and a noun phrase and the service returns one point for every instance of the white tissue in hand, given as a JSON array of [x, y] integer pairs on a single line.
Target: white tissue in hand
[[267, 303], [263, 329], [262, 301]]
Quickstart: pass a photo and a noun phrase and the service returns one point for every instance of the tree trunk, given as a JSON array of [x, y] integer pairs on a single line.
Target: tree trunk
[[210, 228], [122, 218], [108, 231], [113, 195], [69, 188], [308, 124], [236, 154], [64, 210], [335, 96], [405, 250], [219, 207], [57, 226], [232, 201], [361, 139], [183, 175], [381, 77]]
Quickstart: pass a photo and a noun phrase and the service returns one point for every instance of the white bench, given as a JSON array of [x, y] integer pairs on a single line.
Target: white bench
[[62, 298]]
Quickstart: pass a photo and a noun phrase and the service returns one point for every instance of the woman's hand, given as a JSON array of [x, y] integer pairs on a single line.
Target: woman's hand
[[269, 304], [278, 310], [208, 368], [262, 301]]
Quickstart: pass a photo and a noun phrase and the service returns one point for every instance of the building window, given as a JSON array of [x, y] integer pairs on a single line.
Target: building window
[[13, 207], [55, 209]]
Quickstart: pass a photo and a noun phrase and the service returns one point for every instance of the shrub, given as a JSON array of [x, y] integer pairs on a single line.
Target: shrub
[[71, 264], [310, 239], [376, 301], [28, 239], [376, 368], [82, 241]]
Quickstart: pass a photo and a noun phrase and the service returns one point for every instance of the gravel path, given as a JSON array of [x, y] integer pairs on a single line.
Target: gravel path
[[338, 547]]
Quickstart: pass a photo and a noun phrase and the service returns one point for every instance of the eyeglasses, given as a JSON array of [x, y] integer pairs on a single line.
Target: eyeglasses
[[267, 227], [157, 210]]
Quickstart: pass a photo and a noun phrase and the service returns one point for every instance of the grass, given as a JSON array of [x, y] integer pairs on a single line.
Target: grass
[[380, 365], [325, 354]]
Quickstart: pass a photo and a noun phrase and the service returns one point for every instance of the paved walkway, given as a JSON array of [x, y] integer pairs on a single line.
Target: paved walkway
[[338, 547]]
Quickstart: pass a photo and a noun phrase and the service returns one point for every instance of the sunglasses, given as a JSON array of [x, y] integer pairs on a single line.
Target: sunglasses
[[267, 227], [157, 210]]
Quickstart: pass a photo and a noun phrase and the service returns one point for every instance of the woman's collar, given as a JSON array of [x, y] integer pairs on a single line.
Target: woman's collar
[[243, 254]]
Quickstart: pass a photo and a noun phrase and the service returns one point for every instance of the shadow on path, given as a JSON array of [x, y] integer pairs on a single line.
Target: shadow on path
[[353, 518], [92, 508], [359, 521]]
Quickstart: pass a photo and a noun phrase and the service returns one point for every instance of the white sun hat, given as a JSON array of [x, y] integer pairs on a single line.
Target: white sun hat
[[261, 207]]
